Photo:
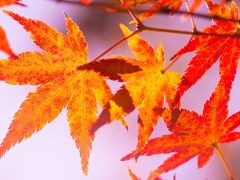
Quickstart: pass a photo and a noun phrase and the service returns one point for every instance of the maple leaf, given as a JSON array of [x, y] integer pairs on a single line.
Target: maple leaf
[[10, 2], [211, 48], [144, 89], [194, 134], [4, 45], [62, 85]]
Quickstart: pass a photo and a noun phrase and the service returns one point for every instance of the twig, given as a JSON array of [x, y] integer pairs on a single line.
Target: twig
[[198, 33], [114, 7], [115, 45], [139, 27]]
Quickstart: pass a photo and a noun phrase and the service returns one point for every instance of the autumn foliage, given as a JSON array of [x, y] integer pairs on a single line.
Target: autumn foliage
[[67, 79]]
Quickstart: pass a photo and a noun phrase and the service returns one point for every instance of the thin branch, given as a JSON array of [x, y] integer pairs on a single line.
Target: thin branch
[[115, 45], [141, 27], [224, 162], [116, 8], [198, 33], [174, 31]]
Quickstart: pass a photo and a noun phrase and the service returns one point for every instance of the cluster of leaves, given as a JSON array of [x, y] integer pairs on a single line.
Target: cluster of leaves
[[65, 78]]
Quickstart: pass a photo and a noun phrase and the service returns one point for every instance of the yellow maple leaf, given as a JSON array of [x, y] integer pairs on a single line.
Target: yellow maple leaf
[[144, 89]]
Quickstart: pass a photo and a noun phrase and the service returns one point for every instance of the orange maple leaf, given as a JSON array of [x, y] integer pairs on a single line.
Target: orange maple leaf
[[4, 45], [194, 134], [62, 84], [211, 48], [144, 89]]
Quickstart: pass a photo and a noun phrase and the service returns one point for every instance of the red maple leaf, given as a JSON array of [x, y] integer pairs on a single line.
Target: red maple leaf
[[194, 134], [211, 48]]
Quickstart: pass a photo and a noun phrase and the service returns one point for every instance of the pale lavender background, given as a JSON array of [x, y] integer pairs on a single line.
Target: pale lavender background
[[51, 153]]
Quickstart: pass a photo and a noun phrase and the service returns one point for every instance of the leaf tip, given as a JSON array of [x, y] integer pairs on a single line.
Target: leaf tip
[[127, 157], [7, 12], [121, 25], [125, 29], [132, 174], [15, 16]]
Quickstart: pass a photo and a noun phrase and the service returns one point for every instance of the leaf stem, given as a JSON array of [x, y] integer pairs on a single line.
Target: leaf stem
[[191, 16], [170, 65], [224, 161], [113, 46]]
